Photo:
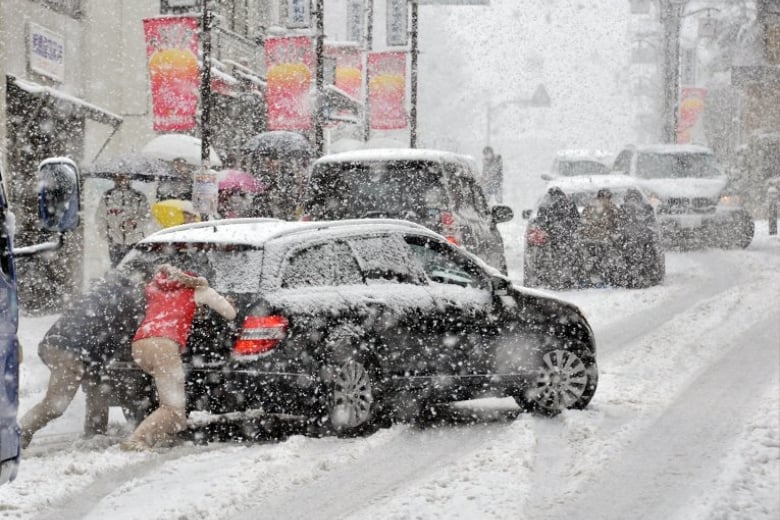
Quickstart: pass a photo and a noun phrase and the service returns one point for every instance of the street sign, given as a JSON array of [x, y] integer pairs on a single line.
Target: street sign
[[453, 2]]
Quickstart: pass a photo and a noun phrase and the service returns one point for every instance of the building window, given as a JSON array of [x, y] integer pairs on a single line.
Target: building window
[[68, 7]]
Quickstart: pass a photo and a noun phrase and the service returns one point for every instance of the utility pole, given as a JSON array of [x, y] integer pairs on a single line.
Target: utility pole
[[671, 16], [205, 89], [319, 78], [369, 46], [415, 51]]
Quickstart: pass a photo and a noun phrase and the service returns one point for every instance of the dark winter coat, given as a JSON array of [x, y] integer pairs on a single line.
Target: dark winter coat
[[636, 220], [100, 322], [599, 221], [559, 218]]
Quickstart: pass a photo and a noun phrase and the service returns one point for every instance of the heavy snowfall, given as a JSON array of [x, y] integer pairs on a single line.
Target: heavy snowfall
[[685, 423]]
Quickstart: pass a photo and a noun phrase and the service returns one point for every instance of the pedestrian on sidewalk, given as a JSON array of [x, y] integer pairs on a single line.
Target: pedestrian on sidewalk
[[492, 174], [122, 218], [172, 297]]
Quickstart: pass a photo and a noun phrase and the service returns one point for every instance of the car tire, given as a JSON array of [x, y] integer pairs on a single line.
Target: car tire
[[350, 402], [564, 377]]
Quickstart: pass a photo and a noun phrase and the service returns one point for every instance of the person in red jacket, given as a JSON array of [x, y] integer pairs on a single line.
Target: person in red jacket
[[172, 297]]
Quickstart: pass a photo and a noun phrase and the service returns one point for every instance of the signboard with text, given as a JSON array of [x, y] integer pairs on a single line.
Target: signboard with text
[[46, 52], [453, 2], [298, 14], [397, 18], [356, 20]]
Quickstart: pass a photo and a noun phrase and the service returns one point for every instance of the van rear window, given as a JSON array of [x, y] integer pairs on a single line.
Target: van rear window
[[387, 189]]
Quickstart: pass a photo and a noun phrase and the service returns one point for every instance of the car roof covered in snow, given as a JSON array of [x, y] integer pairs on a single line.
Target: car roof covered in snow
[[672, 148], [593, 183], [393, 154], [582, 154], [258, 231]]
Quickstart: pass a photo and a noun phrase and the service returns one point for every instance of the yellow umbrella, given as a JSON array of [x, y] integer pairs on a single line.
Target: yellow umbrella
[[174, 212]]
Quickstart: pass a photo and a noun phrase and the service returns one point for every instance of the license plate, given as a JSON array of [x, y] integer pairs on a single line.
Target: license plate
[[688, 222]]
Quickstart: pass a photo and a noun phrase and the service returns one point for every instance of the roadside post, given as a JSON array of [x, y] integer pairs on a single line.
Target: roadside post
[[771, 195]]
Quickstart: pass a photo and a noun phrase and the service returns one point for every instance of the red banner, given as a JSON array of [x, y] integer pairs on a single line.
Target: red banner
[[349, 68], [289, 62], [172, 51], [692, 101], [387, 90]]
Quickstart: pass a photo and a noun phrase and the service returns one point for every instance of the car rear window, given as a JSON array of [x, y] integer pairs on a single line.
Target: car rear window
[[228, 267], [392, 189]]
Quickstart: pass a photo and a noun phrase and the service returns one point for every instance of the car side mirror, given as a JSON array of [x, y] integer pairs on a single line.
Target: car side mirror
[[58, 194], [500, 285], [546, 177], [527, 213], [502, 214]]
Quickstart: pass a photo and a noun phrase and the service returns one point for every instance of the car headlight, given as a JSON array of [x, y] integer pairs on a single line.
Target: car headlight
[[730, 200], [654, 200]]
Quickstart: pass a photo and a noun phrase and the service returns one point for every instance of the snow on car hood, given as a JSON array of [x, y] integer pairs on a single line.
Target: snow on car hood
[[688, 187]]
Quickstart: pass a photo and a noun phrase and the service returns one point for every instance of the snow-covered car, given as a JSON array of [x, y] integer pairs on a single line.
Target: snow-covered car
[[579, 163], [685, 185], [345, 323], [434, 188], [634, 258]]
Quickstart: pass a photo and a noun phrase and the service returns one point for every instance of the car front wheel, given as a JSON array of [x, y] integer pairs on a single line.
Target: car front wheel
[[562, 379]]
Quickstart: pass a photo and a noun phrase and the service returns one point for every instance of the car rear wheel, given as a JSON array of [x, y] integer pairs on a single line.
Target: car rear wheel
[[351, 402], [562, 379]]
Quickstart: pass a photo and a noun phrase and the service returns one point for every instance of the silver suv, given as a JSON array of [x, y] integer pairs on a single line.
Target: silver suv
[[685, 185]]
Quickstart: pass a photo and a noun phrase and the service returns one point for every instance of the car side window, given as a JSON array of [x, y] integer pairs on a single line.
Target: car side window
[[444, 265], [386, 258], [330, 263]]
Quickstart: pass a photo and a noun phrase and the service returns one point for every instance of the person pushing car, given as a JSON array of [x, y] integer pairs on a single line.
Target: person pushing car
[[172, 297]]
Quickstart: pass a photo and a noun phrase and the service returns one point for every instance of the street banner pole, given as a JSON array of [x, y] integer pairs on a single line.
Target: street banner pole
[[369, 45], [204, 189], [414, 51], [319, 79]]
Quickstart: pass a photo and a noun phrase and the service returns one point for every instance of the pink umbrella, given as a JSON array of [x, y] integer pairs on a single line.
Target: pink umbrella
[[238, 180]]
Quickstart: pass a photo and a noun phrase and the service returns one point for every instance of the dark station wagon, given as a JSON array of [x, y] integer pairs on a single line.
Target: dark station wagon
[[344, 323]]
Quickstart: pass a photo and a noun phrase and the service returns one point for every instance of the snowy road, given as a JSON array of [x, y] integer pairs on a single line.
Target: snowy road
[[684, 425]]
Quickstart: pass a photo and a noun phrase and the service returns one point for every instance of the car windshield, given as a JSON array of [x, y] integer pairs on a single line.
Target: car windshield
[[374, 189], [676, 165], [227, 267], [581, 167]]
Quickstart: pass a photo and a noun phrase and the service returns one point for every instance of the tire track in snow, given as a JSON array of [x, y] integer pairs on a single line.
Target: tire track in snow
[[78, 505], [679, 454], [377, 475], [702, 341]]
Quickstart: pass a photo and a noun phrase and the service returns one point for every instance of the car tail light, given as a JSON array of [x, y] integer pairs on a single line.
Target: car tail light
[[260, 335], [306, 218], [536, 237], [450, 228]]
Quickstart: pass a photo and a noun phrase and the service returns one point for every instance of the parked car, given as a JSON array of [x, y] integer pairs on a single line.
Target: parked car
[[434, 188], [346, 322], [634, 258], [686, 186], [579, 163]]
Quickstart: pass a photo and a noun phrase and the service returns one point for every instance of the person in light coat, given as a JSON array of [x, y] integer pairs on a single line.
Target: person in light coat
[[172, 298], [122, 218]]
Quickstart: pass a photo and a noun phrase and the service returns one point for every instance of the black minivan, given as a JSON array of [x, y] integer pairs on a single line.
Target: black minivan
[[434, 188]]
